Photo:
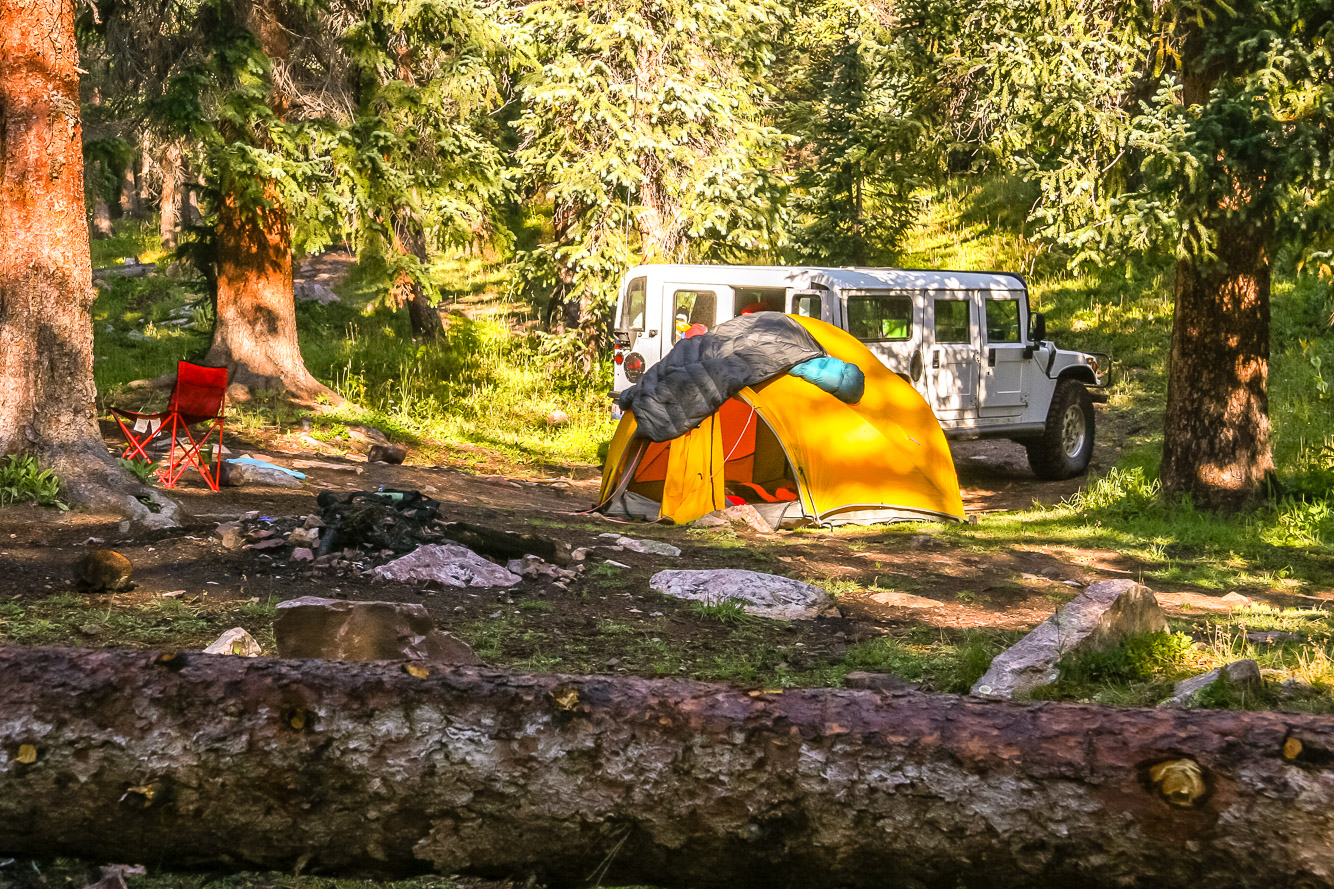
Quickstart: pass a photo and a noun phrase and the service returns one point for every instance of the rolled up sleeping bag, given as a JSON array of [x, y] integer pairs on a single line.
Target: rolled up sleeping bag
[[844, 381]]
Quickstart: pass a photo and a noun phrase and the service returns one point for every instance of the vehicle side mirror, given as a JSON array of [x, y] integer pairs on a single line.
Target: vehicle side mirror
[[1039, 328]]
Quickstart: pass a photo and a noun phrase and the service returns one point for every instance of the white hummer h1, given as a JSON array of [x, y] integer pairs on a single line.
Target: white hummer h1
[[965, 340]]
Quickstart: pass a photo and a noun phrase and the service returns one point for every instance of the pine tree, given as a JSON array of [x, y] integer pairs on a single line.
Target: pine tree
[[643, 123], [860, 154]]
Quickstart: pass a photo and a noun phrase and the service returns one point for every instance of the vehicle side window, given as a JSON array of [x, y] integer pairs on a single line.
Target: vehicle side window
[[953, 320], [880, 318], [632, 313], [1003, 321], [807, 305], [691, 308]]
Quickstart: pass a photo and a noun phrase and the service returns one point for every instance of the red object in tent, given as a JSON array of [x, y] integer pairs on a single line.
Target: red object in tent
[[196, 412]]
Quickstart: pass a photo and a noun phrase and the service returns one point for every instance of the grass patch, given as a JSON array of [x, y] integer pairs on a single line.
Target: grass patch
[[69, 619]]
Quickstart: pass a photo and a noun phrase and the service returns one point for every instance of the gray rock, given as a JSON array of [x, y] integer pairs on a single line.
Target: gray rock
[[303, 554], [235, 641], [1096, 619], [745, 514], [448, 564], [229, 533], [764, 595], [387, 453], [648, 547], [535, 568], [338, 630], [314, 291], [879, 681], [238, 475], [304, 537], [1243, 674]]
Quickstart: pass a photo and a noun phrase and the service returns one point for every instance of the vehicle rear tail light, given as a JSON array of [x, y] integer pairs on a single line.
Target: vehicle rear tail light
[[620, 359], [634, 367]]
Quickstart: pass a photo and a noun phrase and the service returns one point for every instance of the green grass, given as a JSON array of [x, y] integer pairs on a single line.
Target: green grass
[[71, 619]]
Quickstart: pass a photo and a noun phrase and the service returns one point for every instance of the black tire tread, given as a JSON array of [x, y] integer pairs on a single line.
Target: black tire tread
[[1045, 456]]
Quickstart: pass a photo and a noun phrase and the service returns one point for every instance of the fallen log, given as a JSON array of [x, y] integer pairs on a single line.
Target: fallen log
[[194, 760]]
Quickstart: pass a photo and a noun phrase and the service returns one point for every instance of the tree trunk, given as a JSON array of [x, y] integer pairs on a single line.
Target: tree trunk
[[142, 174], [129, 194], [102, 227], [215, 761], [255, 335], [47, 399], [423, 316], [170, 220], [1216, 443]]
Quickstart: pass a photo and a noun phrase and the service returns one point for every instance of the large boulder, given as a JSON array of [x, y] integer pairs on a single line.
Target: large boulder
[[1096, 619], [764, 595], [448, 564], [336, 630]]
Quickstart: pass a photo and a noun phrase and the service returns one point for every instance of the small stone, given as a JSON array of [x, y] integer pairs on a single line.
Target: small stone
[[557, 418], [1243, 674], [303, 554], [229, 533], [578, 555], [235, 641], [313, 521], [648, 547], [615, 564], [270, 543], [304, 537], [1235, 600]]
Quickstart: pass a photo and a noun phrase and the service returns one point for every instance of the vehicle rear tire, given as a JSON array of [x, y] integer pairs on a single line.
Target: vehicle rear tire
[[1066, 446]]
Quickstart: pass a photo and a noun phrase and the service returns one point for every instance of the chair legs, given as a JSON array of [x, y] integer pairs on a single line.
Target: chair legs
[[181, 454]]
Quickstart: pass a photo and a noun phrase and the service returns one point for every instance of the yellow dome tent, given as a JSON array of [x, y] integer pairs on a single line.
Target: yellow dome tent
[[796, 453]]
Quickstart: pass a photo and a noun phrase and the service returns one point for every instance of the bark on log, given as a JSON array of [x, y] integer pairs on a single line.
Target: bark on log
[[210, 760]]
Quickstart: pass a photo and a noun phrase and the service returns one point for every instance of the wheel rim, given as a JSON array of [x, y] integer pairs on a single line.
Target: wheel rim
[[1072, 431]]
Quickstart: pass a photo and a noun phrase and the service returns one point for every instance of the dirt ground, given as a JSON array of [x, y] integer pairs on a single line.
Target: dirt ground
[[888, 579]]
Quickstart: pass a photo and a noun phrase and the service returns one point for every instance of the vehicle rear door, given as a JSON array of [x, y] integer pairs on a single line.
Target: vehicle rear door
[[952, 365], [1005, 370], [693, 306]]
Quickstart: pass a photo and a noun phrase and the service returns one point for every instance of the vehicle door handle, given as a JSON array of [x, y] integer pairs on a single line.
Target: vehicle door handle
[[935, 360], [991, 357], [652, 333]]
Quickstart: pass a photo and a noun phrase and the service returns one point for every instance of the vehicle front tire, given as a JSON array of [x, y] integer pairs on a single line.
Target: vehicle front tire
[[1066, 445]]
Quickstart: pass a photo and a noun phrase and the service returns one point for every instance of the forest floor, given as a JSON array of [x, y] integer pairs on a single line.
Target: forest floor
[[932, 603]]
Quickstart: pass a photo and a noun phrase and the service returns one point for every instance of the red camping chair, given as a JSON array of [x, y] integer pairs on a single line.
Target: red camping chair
[[196, 401]]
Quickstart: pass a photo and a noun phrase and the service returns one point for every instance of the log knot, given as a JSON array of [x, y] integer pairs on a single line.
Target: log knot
[[1179, 781]]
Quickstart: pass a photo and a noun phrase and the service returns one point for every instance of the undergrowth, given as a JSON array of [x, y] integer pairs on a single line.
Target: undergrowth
[[23, 480]]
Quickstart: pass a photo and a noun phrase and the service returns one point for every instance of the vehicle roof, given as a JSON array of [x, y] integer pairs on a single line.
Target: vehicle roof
[[844, 278]]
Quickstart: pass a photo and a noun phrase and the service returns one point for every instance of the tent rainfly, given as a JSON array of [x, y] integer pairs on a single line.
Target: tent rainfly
[[793, 450]]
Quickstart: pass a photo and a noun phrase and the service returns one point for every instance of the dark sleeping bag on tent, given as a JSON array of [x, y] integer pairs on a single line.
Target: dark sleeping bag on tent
[[700, 373]]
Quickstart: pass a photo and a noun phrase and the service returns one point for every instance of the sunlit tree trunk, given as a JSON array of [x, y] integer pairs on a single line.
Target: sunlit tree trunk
[[170, 221], [47, 399], [1216, 444], [129, 193], [255, 335]]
